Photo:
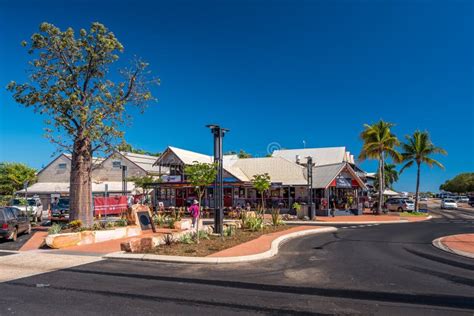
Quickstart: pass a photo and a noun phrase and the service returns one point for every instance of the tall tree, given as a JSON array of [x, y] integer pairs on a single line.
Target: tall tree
[[379, 142], [71, 85], [200, 175], [417, 149], [391, 176], [243, 154]]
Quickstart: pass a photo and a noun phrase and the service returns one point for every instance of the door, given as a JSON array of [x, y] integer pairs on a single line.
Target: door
[[21, 220]]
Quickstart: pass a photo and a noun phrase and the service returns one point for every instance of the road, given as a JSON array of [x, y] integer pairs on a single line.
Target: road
[[379, 269]]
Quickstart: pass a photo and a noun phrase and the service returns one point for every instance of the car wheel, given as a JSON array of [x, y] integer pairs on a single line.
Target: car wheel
[[14, 235], [400, 209]]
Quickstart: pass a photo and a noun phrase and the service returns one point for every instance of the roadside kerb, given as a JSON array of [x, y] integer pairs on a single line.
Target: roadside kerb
[[438, 243], [217, 260]]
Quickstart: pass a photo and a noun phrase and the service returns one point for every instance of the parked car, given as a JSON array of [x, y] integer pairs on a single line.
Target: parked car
[[462, 199], [33, 207], [400, 205], [60, 210], [423, 198], [13, 221], [471, 201], [449, 204]]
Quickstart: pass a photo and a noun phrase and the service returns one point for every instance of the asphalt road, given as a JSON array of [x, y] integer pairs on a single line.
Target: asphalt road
[[383, 269]]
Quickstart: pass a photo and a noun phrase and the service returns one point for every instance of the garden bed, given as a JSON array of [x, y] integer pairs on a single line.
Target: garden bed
[[213, 244]]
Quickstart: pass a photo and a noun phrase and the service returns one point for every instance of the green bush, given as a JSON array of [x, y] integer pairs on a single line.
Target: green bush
[[55, 229], [229, 231], [202, 235], [186, 239], [109, 225], [255, 223], [159, 219], [76, 224], [121, 222]]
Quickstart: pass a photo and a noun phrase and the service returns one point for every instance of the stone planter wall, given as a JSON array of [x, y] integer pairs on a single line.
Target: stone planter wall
[[58, 241]]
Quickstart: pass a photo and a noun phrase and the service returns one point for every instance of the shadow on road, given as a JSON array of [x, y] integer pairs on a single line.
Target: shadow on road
[[464, 302]]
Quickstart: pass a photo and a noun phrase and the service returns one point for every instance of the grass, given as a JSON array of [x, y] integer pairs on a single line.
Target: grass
[[413, 214], [214, 243]]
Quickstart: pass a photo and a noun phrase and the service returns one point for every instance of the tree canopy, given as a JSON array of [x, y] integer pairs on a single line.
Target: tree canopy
[[461, 183], [13, 176], [130, 149]]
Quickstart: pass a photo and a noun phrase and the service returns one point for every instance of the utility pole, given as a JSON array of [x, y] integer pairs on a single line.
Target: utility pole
[[218, 133]]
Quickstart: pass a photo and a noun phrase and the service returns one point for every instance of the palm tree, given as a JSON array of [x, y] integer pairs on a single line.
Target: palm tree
[[417, 149], [379, 142], [391, 176]]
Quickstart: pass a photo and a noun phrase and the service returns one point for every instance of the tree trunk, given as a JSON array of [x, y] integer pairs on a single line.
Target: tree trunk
[[381, 183], [417, 192], [80, 190]]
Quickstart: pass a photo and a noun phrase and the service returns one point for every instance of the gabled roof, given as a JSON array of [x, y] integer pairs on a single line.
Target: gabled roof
[[146, 162], [321, 156], [63, 187], [186, 157], [324, 175], [95, 161], [279, 169]]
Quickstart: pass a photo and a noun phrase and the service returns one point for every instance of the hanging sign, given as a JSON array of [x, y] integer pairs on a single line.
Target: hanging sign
[[343, 183]]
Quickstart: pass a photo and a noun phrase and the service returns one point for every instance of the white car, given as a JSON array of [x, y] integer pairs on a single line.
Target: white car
[[449, 204], [34, 207], [400, 205], [462, 199]]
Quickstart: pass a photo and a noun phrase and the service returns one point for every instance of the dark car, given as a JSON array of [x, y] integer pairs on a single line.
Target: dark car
[[13, 221], [471, 201], [60, 210]]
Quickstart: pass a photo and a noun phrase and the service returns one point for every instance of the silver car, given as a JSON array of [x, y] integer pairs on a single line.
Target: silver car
[[400, 205]]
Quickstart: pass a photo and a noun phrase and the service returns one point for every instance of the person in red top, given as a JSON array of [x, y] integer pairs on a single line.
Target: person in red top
[[194, 210]]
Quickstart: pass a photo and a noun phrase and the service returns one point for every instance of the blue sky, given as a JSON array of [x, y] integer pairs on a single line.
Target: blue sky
[[271, 71]]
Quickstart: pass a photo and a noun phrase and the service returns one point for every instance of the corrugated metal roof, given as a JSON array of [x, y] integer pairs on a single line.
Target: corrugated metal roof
[[321, 156], [143, 161], [279, 169], [323, 175]]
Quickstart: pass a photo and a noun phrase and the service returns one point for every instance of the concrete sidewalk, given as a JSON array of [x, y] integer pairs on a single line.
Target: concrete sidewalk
[[361, 219], [462, 244]]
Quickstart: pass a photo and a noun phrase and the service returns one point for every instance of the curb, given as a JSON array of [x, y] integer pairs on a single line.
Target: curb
[[218, 260], [311, 223], [438, 243]]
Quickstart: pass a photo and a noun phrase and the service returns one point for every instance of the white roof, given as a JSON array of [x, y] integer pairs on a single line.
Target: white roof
[[279, 169], [63, 187], [189, 157], [143, 161], [321, 156]]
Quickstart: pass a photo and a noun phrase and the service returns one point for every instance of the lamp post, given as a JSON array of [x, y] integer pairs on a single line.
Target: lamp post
[[124, 180], [309, 167], [218, 133]]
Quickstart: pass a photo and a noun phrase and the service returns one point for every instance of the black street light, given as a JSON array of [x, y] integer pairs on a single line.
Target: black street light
[[309, 167], [124, 180], [218, 133]]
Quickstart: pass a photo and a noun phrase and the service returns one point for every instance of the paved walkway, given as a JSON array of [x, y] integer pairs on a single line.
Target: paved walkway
[[369, 218], [462, 244], [258, 245]]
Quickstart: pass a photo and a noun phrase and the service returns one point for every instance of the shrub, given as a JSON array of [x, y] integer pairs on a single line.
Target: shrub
[[76, 224], [168, 239], [159, 219], [297, 206], [186, 239], [229, 231], [121, 222], [276, 218], [109, 225], [96, 226], [55, 229], [255, 223], [171, 222], [202, 235]]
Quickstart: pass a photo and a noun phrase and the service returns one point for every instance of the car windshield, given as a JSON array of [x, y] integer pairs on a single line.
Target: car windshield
[[62, 204], [449, 201], [408, 201]]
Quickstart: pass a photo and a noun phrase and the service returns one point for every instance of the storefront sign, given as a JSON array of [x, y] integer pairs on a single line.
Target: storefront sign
[[344, 183], [171, 178]]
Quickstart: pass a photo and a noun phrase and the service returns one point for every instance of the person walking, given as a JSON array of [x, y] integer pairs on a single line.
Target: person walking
[[194, 210]]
